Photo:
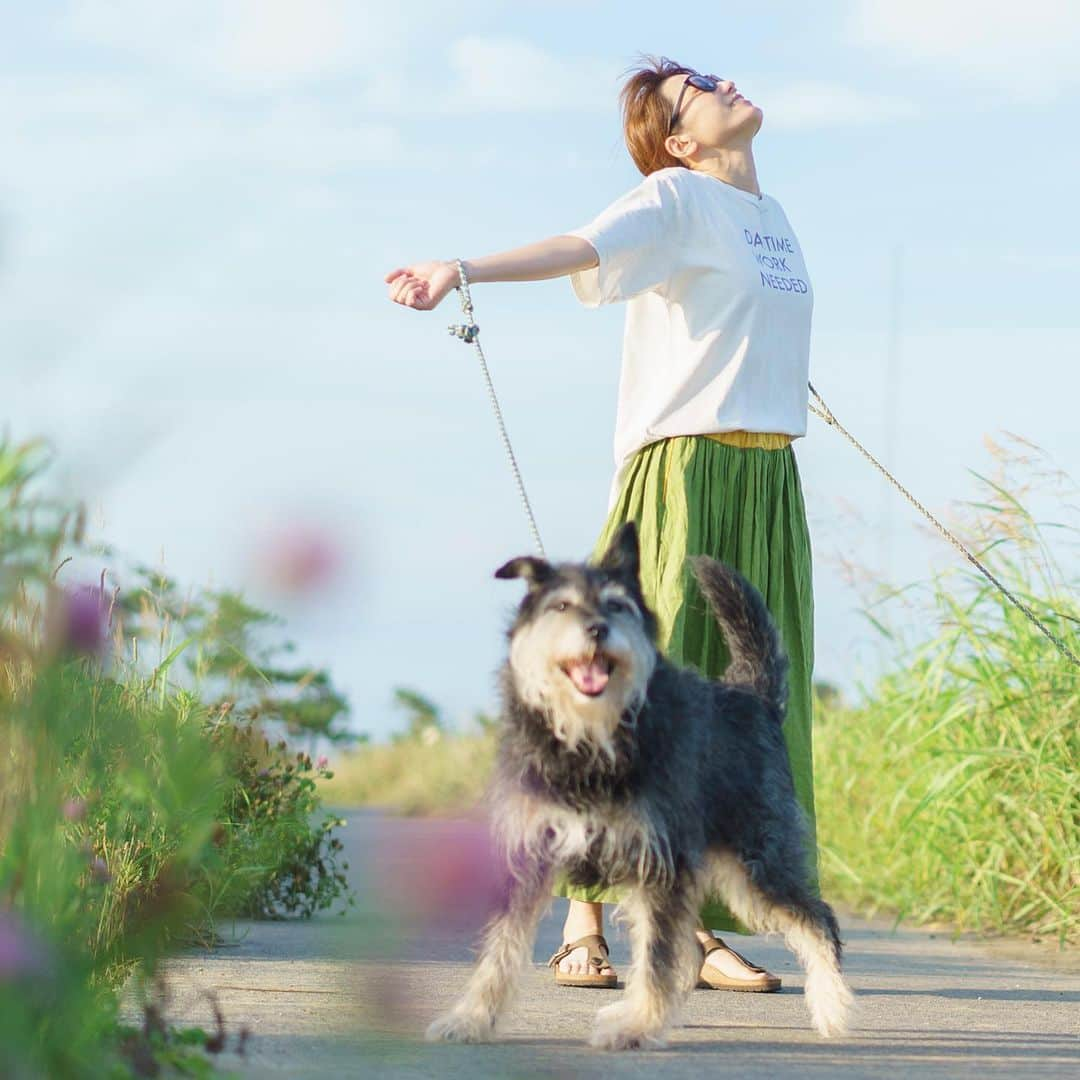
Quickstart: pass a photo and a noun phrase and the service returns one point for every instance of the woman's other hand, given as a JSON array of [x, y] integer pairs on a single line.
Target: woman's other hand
[[422, 285]]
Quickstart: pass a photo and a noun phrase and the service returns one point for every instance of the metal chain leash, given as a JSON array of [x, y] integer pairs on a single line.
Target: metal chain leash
[[470, 334], [826, 414]]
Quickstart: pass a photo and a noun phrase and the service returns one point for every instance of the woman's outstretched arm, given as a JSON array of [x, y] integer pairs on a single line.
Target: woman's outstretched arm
[[423, 285]]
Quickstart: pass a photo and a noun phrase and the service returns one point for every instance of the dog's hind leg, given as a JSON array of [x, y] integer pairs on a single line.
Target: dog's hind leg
[[809, 928], [505, 949], [663, 969]]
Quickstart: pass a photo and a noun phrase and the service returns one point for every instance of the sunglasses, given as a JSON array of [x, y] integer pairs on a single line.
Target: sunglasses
[[700, 82]]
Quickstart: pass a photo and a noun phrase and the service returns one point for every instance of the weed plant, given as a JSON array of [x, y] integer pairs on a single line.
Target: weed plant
[[146, 790]]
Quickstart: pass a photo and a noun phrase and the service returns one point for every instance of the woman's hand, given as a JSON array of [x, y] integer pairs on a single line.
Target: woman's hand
[[422, 285]]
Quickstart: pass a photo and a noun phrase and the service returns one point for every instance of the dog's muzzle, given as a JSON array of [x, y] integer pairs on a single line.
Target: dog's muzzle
[[590, 675]]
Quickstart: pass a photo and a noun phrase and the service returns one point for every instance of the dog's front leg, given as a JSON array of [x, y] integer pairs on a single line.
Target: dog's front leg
[[661, 922], [506, 946]]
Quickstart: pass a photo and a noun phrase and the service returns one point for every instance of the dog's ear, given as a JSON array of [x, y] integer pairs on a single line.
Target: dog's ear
[[622, 555], [535, 571]]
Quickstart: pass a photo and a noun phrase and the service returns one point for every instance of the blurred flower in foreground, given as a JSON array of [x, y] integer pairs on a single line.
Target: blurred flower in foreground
[[99, 870], [300, 558], [20, 952], [442, 874], [78, 619]]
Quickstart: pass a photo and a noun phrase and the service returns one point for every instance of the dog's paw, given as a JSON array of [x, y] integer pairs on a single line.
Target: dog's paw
[[461, 1027], [617, 1028], [625, 1039]]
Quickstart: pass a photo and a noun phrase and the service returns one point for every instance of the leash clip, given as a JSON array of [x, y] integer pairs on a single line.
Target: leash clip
[[468, 333]]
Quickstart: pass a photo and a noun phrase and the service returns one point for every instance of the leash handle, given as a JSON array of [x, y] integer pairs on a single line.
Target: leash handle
[[826, 414], [470, 334]]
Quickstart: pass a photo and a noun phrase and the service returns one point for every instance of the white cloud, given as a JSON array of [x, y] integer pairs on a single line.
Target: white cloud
[[1026, 50], [246, 44], [811, 104], [116, 133], [263, 46], [514, 75], [499, 74]]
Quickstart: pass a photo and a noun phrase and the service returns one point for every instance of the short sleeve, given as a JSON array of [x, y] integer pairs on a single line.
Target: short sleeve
[[637, 241]]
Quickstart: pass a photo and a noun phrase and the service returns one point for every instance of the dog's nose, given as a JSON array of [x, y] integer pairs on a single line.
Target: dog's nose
[[598, 631]]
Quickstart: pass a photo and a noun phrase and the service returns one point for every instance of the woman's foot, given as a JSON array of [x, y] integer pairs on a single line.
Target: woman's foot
[[724, 969], [583, 918]]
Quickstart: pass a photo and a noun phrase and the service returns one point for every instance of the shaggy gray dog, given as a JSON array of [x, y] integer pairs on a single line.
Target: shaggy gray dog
[[620, 768]]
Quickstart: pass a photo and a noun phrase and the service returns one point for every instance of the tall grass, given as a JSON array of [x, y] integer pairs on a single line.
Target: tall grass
[[953, 792]]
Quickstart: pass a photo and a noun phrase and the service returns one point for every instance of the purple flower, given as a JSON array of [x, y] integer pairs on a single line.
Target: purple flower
[[80, 622], [322, 762], [20, 952], [99, 870], [301, 557], [444, 873], [74, 810]]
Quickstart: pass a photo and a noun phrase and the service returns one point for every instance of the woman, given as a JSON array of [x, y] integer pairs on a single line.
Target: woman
[[712, 392]]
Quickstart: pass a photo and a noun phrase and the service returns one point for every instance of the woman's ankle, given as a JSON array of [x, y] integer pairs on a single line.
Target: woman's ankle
[[583, 918]]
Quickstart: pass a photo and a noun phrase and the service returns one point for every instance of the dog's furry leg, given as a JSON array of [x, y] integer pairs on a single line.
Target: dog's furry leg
[[505, 949], [809, 928], [664, 967]]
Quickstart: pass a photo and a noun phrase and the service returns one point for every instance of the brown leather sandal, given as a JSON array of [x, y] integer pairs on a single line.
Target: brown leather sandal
[[597, 959], [711, 978]]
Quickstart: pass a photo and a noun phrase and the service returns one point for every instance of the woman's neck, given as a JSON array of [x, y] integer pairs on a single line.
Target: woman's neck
[[735, 167]]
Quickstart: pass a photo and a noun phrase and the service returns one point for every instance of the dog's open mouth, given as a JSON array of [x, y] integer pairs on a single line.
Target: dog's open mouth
[[590, 674]]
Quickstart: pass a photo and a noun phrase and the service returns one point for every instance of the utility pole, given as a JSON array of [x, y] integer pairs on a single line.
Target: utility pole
[[892, 399]]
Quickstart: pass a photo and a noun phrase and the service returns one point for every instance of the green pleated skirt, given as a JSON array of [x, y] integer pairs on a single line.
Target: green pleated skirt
[[692, 495]]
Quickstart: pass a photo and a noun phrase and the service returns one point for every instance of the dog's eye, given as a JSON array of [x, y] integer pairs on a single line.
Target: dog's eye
[[615, 605], [562, 605]]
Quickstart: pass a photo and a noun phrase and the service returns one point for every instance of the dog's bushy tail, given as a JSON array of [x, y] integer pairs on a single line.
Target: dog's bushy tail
[[758, 659]]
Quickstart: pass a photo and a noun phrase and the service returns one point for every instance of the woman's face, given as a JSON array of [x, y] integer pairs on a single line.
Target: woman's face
[[723, 118]]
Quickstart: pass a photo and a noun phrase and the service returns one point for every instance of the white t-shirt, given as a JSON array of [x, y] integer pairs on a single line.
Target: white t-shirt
[[717, 333]]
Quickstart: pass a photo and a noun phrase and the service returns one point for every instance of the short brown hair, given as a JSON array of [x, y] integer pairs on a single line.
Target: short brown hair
[[646, 114]]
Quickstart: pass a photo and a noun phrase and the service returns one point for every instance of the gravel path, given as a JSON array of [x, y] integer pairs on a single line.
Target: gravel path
[[348, 997]]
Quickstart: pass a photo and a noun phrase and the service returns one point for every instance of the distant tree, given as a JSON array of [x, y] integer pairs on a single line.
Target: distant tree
[[828, 693], [485, 721], [422, 715]]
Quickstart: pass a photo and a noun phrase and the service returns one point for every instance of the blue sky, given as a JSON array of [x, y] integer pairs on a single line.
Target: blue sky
[[199, 202]]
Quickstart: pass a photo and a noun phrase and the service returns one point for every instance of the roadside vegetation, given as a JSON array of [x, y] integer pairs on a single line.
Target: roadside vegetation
[[950, 793], [150, 787], [426, 768]]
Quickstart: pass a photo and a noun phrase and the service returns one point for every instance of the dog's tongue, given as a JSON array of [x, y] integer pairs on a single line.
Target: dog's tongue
[[589, 676]]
